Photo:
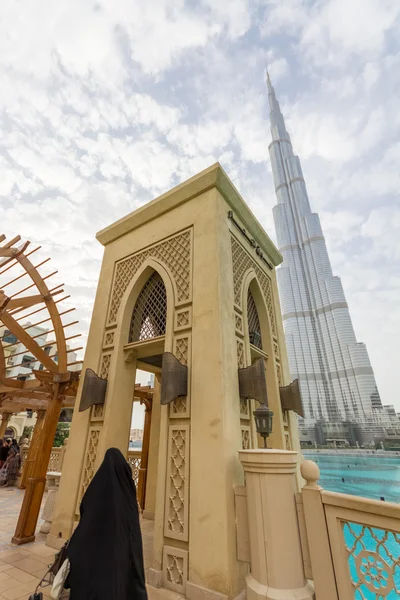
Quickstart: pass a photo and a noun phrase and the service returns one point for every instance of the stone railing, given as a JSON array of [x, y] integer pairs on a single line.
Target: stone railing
[[351, 545], [56, 458], [134, 459]]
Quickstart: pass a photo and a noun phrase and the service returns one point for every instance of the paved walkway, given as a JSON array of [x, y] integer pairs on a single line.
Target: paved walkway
[[22, 567]]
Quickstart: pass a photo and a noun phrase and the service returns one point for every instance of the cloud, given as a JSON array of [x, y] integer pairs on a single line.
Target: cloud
[[105, 105]]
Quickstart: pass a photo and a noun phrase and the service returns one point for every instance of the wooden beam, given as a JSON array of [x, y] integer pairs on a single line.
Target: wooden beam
[[53, 311], [33, 448], [15, 252], [6, 416], [25, 301], [28, 518], [33, 404], [12, 383], [28, 342], [13, 241]]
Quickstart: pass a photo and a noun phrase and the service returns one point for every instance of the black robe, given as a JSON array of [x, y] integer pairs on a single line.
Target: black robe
[[105, 551]]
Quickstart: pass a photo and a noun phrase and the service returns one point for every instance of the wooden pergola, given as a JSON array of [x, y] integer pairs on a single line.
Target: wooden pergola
[[25, 293]]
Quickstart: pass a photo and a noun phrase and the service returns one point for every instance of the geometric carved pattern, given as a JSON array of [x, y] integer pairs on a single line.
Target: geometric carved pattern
[[134, 461], [97, 412], [373, 560], [176, 525], [105, 366], [182, 349], [109, 339], [180, 406], [246, 442], [240, 354], [174, 253], [98, 409], [149, 317], [182, 319], [244, 408], [91, 453], [278, 373], [238, 323], [242, 262], [175, 565], [174, 569], [54, 462]]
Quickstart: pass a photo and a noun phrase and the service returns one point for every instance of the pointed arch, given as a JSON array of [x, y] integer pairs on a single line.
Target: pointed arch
[[130, 300], [252, 292]]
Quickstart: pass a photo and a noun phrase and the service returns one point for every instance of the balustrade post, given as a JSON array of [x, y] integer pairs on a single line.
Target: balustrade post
[[276, 563], [317, 534]]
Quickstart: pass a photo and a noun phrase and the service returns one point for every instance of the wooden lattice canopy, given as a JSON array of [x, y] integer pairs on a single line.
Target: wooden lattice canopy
[[28, 301]]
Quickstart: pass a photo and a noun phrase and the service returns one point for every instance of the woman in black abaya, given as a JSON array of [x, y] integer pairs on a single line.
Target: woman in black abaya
[[105, 552]]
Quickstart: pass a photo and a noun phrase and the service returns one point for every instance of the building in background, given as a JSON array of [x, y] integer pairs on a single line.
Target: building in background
[[338, 388], [20, 364]]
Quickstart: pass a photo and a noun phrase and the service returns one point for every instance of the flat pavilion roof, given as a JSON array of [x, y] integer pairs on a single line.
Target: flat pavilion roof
[[212, 177]]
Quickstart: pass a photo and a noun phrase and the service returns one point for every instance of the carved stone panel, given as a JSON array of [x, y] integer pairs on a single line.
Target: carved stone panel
[[176, 523], [175, 568], [180, 408], [90, 459], [175, 253]]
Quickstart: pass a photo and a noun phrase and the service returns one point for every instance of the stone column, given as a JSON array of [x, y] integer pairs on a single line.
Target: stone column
[[277, 571], [5, 419]]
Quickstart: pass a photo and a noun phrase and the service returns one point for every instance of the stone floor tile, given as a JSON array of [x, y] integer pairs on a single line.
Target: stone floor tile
[[12, 556], [30, 565], [8, 584], [41, 573], [22, 576], [42, 550], [24, 590]]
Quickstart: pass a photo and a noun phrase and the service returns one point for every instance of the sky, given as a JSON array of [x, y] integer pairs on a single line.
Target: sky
[[105, 105]]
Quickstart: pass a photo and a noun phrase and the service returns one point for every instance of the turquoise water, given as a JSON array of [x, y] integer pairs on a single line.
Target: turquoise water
[[369, 476], [373, 551]]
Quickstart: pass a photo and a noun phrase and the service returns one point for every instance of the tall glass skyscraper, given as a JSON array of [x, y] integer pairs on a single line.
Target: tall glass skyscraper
[[336, 379]]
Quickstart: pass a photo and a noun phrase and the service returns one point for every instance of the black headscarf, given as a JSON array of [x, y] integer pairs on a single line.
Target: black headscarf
[[105, 552]]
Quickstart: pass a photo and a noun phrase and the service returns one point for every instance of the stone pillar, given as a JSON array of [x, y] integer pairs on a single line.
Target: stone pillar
[[5, 419], [152, 466], [277, 571]]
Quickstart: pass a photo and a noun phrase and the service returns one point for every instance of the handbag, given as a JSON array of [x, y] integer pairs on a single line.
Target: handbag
[[59, 580], [60, 559]]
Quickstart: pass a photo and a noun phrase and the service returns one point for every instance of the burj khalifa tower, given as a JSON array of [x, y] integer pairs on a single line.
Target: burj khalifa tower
[[336, 379]]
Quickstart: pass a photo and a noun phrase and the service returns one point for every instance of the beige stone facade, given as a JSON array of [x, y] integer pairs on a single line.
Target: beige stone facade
[[213, 258]]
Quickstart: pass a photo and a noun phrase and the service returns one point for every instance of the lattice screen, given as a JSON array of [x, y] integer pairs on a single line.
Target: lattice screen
[[150, 313], [253, 322]]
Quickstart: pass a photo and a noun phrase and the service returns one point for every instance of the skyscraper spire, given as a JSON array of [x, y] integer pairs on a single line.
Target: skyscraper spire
[[336, 378], [278, 129], [271, 90]]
